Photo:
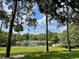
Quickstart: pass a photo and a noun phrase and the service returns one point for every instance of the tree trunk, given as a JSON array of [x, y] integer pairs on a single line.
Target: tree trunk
[[28, 36], [19, 38], [1, 31], [8, 48], [68, 41], [47, 47], [1, 25]]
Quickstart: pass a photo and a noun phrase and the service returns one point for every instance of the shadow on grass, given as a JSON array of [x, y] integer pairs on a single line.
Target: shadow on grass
[[13, 54], [2, 54], [52, 55], [64, 54]]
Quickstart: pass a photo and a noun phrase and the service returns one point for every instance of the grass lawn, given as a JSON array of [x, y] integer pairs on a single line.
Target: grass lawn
[[39, 53]]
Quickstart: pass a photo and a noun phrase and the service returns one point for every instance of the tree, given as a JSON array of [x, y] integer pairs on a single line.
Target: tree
[[10, 30], [47, 49], [44, 7], [14, 12], [60, 16], [55, 40], [68, 41]]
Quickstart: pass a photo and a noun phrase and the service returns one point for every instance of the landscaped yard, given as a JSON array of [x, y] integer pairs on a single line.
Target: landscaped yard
[[39, 53]]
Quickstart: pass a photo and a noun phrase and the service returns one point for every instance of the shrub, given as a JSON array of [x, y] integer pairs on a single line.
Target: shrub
[[66, 46]]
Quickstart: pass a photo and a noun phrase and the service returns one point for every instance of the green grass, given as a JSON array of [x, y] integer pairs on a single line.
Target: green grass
[[39, 53]]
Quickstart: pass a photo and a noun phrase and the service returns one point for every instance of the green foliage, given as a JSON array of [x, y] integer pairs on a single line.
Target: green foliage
[[3, 15], [55, 40], [74, 36], [41, 36], [18, 28], [3, 38]]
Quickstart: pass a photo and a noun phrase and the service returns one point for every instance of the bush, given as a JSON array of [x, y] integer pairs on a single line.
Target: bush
[[3, 45], [66, 46], [77, 45]]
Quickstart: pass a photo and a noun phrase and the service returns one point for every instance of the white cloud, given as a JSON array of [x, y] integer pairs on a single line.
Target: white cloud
[[41, 21], [62, 28]]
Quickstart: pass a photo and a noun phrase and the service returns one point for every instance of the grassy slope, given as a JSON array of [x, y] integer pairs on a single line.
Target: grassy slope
[[39, 53]]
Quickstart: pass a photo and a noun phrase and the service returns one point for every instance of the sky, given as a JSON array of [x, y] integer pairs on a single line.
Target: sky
[[41, 23]]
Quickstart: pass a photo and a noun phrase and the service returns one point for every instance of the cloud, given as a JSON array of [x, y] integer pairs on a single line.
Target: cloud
[[62, 28], [41, 21]]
